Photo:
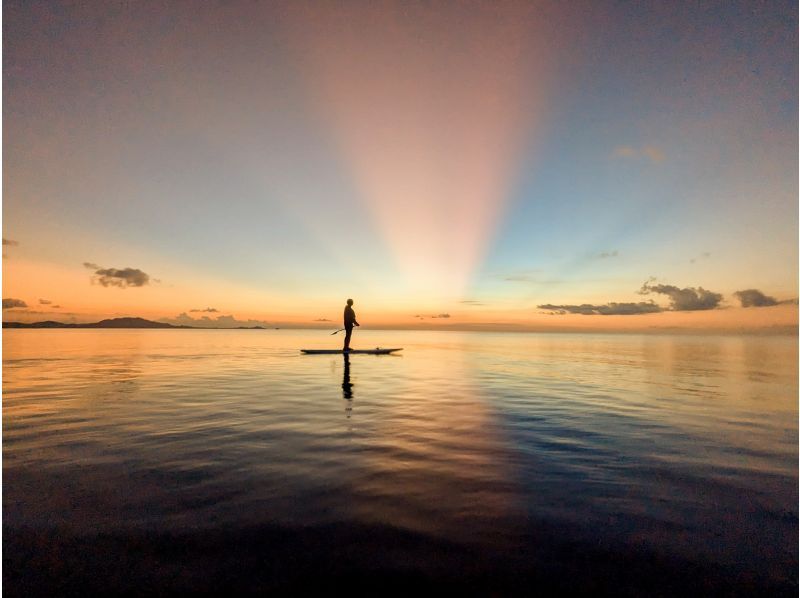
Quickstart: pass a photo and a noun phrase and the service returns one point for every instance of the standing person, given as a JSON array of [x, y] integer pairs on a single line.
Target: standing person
[[349, 322]]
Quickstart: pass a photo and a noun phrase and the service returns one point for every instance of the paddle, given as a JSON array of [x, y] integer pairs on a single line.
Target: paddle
[[340, 329]]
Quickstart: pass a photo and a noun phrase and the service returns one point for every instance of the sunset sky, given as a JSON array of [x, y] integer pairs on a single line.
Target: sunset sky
[[509, 165]]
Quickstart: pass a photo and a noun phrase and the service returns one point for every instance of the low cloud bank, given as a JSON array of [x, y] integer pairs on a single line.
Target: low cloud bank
[[228, 321], [686, 299], [681, 299], [608, 309]]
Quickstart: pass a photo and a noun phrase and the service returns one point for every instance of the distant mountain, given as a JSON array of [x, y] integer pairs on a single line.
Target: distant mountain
[[130, 323], [111, 323]]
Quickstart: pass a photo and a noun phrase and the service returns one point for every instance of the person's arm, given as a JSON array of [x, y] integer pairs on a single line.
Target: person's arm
[[354, 319]]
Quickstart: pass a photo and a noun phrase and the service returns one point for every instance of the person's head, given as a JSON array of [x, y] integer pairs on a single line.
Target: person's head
[[349, 302]]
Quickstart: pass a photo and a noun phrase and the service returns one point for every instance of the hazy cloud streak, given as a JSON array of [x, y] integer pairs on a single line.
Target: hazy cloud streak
[[608, 309], [647, 152]]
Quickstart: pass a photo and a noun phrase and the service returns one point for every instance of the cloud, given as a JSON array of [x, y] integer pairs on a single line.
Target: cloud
[[471, 302], [444, 316], [755, 298], [688, 299], [228, 321], [646, 152], [653, 153], [45, 302], [8, 242], [625, 151], [322, 320], [607, 254], [609, 309], [114, 277], [13, 303], [210, 310], [703, 256], [34, 312]]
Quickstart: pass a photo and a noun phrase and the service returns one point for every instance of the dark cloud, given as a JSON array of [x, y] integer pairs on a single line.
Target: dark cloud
[[434, 317], [688, 299], [609, 309], [322, 320], [211, 310], [114, 277], [755, 298], [45, 302], [12, 303], [56, 307]]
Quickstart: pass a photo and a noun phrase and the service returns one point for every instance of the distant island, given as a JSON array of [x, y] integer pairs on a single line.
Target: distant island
[[112, 323]]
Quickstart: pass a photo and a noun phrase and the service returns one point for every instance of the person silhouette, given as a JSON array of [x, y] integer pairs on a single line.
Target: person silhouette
[[349, 322]]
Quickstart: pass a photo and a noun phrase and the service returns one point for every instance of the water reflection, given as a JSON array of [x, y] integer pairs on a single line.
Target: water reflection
[[684, 445], [347, 386]]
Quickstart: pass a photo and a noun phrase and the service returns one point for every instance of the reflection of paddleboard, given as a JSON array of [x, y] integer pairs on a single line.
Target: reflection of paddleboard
[[376, 351]]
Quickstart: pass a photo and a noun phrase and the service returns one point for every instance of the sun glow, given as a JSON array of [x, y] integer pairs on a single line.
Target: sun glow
[[429, 107]]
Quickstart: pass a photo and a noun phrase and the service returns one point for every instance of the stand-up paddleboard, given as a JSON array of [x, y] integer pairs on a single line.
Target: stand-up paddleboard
[[375, 351]]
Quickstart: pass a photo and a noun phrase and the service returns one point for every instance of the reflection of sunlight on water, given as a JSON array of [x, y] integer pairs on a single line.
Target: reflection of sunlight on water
[[431, 449], [665, 440]]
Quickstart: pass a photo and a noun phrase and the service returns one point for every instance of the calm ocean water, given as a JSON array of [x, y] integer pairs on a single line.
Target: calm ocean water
[[566, 458]]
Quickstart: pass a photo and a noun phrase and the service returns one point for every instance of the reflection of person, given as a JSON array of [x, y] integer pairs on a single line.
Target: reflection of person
[[347, 386], [349, 322]]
